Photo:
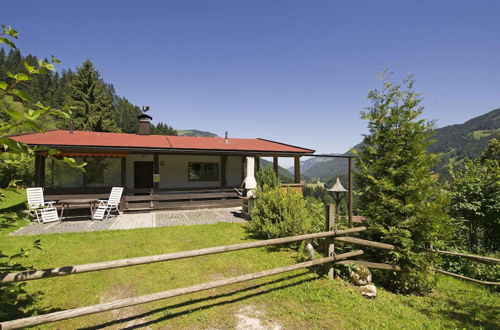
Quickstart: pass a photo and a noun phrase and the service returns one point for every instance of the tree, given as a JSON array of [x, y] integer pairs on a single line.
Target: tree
[[397, 191], [126, 115], [475, 202], [15, 301], [92, 101], [163, 129]]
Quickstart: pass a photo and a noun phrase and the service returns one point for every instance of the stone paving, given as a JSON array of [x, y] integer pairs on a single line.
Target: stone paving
[[135, 220]]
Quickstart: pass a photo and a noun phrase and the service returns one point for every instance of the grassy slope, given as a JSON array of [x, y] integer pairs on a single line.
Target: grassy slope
[[12, 199], [295, 300]]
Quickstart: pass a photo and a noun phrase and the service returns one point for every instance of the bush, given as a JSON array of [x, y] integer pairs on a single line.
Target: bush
[[280, 213], [267, 179]]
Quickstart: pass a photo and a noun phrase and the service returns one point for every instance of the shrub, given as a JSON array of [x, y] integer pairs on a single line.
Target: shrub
[[267, 179], [280, 213]]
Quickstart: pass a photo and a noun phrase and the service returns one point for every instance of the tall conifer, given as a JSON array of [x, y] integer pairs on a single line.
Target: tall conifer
[[92, 101], [398, 193]]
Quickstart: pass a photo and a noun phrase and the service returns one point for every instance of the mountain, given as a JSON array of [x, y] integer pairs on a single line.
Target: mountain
[[453, 144], [308, 163], [284, 175], [195, 132]]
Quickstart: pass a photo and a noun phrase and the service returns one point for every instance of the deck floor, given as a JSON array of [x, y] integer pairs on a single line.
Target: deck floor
[[134, 220]]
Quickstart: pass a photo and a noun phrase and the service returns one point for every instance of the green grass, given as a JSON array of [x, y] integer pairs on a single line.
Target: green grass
[[13, 199], [296, 300]]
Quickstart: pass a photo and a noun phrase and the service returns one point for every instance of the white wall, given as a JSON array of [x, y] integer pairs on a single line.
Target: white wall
[[174, 171]]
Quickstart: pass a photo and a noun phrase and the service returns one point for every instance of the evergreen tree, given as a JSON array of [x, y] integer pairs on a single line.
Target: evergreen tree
[[92, 101], [397, 191], [163, 129], [126, 115]]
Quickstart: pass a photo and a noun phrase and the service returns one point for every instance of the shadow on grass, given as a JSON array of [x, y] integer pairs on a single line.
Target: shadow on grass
[[16, 303], [468, 311], [211, 304]]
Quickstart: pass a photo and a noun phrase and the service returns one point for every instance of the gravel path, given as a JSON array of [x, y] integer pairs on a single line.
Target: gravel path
[[135, 220]]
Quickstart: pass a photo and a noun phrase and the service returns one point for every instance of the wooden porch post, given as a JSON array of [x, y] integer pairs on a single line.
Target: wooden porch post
[[243, 168], [349, 201], [156, 172], [296, 169], [257, 164], [275, 165], [124, 183], [39, 170], [124, 173], [223, 166]]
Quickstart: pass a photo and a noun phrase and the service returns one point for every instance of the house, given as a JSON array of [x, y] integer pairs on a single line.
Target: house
[[157, 172]]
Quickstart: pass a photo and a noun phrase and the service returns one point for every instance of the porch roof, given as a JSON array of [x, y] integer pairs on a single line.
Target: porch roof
[[82, 139]]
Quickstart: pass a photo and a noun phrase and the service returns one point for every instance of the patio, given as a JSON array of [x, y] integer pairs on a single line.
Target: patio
[[134, 220]]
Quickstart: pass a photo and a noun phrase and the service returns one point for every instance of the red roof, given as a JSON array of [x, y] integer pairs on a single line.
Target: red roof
[[123, 140]]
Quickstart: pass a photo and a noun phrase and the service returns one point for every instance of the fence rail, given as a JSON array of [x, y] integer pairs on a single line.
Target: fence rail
[[69, 270], [486, 260]]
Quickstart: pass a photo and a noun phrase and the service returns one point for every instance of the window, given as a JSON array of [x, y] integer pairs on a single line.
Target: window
[[103, 172], [99, 172], [203, 171]]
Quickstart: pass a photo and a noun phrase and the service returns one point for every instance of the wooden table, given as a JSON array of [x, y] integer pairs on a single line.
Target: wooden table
[[66, 203]]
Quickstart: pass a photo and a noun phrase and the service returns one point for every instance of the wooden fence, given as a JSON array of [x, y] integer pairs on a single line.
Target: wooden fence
[[69, 270]]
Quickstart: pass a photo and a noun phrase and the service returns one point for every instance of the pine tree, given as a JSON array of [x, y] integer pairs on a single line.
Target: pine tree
[[92, 101], [126, 115], [163, 129], [398, 193]]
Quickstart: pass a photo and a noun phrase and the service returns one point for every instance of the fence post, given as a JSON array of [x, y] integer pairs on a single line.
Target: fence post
[[329, 249]]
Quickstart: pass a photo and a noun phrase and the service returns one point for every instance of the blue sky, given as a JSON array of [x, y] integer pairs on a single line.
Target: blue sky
[[293, 71]]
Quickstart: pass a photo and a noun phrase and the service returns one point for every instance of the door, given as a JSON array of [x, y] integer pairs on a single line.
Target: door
[[143, 174]]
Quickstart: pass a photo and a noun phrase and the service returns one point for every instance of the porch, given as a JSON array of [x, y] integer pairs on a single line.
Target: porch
[[158, 181]]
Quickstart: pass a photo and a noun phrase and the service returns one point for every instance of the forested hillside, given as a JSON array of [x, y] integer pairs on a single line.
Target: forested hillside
[[95, 104], [453, 144]]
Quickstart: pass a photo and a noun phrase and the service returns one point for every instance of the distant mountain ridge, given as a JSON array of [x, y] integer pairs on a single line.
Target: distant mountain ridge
[[453, 144], [195, 132]]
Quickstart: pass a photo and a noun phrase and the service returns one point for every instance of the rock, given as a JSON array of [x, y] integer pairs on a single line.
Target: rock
[[361, 276], [310, 251], [369, 290]]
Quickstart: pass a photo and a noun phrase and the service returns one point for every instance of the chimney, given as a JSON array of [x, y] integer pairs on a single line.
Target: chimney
[[144, 122]]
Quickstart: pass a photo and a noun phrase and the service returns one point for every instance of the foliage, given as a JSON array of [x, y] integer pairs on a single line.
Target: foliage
[[475, 207], [92, 101], [267, 179], [55, 89], [28, 113], [475, 203], [318, 192], [397, 191], [163, 129], [280, 213]]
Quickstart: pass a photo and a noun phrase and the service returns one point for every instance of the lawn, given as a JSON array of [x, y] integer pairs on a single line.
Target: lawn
[[297, 300], [13, 200]]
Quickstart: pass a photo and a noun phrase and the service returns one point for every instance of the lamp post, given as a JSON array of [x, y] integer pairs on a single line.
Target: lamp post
[[338, 192]]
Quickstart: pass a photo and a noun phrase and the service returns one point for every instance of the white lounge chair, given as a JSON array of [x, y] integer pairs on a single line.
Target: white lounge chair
[[105, 207], [49, 214], [36, 202]]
